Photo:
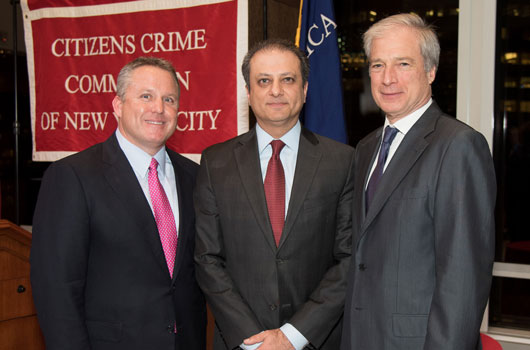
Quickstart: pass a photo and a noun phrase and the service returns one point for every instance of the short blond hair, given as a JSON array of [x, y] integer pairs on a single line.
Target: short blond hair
[[124, 77]]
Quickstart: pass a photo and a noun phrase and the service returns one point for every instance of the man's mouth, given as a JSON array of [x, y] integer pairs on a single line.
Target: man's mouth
[[154, 122]]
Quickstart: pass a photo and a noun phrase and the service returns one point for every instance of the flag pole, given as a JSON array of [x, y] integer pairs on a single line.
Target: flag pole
[[299, 28], [264, 19], [16, 124]]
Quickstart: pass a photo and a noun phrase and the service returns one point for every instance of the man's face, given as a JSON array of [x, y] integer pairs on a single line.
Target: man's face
[[147, 116], [399, 82], [276, 93]]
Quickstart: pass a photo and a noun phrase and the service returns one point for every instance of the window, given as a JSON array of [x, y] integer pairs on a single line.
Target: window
[[510, 297], [353, 19]]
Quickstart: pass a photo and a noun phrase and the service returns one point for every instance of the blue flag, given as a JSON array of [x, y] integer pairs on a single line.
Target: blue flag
[[324, 110]]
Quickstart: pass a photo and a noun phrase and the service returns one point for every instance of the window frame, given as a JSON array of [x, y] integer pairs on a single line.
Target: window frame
[[475, 106]]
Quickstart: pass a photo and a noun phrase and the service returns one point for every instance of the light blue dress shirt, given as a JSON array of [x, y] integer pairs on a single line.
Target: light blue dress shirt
[[288, 157], [140, 161]]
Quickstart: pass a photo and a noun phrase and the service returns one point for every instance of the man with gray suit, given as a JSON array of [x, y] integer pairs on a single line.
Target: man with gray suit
[[273, 218], [423, 208]]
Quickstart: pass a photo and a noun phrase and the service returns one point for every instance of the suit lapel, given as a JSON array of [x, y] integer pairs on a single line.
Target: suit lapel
[[408, 152], [247, 159], [308, 158], [184, 194], [368, 152], [122, 179]]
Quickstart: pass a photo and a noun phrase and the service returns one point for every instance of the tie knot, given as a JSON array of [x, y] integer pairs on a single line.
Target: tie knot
[[390, 133], [154, 164], [277, 146]]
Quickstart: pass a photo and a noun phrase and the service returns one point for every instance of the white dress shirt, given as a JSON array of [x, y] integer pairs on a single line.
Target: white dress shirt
[[403, 126], [140, 161], [288, 157]]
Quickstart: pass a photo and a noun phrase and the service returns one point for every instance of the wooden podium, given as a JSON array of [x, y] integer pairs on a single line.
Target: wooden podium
[[19, 328]]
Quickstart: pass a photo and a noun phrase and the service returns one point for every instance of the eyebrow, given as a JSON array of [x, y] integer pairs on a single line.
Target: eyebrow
[[393, 59], [259, 75], [151, 91], [404, 58]]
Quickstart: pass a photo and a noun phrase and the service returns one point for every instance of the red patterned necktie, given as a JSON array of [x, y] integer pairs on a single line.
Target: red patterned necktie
[[165, 220], [275, 190]]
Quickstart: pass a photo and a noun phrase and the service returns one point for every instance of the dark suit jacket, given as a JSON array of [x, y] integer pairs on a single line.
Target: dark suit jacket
[[252, 285], [98, 272], [423, 253]]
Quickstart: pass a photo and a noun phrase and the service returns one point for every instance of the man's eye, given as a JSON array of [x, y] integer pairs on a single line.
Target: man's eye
[[145, 96], [169, 100], [376, 66], [263, 81], [404, 64], [288, 79]]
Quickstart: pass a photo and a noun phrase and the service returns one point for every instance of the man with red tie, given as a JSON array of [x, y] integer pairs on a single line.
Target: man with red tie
[[113, 232], [274, 218]]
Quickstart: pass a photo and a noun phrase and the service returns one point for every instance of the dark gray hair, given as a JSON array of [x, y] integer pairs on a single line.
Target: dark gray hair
[[124, 77], [275, 44], [428, 41]]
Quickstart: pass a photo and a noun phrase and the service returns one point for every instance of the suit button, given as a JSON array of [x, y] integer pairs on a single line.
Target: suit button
[[170, 328], [362, 267], [272, 307], [280, 261], [173, 288]]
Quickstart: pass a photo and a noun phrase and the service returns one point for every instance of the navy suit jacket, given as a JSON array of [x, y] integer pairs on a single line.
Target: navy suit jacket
[[98, 272]]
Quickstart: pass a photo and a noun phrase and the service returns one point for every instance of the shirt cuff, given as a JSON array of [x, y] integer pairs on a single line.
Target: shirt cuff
[[295, 337], [250, 347]]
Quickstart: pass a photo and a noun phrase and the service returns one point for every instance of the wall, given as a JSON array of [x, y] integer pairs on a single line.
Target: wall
[[6, 27]]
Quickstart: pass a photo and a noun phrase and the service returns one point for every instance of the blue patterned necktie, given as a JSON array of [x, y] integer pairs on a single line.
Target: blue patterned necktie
[[390, 133]]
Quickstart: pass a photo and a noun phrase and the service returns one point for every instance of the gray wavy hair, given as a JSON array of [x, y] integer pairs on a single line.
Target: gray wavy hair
[[428, 40]]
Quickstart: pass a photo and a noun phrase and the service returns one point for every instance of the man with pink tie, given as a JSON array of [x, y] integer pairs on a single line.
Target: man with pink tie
[[113, 236]]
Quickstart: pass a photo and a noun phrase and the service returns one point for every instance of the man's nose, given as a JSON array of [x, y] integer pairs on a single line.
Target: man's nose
[[389, 75], [276, 88], [158, 105]]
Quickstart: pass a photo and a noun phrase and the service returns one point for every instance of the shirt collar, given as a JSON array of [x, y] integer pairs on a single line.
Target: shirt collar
[[406, 123], [290, 138], [138, 158]]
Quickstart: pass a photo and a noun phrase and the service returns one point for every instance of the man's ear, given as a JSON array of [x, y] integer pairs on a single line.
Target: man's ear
[[117, 105], [431, 75], [248, 94]]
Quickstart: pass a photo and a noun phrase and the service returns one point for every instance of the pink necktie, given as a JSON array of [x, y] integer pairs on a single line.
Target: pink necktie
[[165, 221], [275, 190]]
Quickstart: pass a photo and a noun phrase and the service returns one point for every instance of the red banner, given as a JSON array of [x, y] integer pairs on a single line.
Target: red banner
[[75, 54]]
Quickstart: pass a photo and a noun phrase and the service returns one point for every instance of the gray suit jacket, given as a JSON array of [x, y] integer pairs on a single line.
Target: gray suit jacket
[[252, 285], [423, 253]]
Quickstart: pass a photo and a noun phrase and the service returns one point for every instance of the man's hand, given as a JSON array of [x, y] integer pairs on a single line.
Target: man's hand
[[273, 339]]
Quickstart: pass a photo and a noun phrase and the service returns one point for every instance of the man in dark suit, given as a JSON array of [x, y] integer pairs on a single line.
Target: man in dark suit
[[423, 208], [275, 260], [113, 232]]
